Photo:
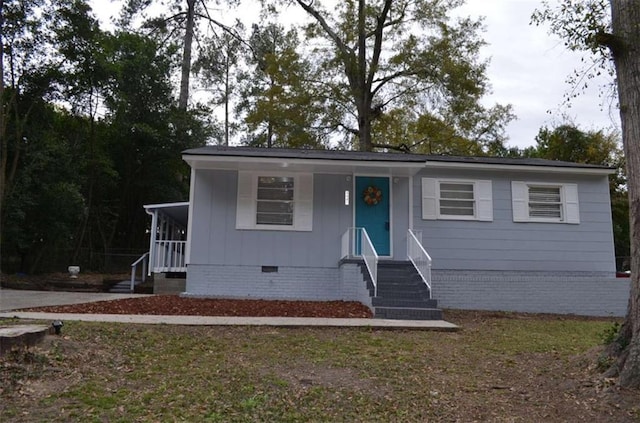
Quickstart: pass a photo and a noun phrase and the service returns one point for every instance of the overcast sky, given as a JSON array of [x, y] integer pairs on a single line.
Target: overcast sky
[[528, 69]]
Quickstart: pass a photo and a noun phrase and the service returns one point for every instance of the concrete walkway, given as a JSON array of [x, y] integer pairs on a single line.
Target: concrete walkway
[[12, 300], [16, 299]]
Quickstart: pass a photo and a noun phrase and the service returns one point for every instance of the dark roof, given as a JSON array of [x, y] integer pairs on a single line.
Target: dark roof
[[285, 153], [513, 161]]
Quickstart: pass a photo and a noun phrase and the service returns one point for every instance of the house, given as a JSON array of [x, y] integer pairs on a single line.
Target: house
[[485, 233]]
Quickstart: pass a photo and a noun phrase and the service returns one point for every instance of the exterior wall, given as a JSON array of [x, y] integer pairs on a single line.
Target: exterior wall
[[293, 283], [225, 261], [512, 246], [572, 293], [216, 241], [354, 287]]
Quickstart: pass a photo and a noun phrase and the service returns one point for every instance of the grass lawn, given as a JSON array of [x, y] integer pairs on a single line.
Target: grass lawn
[[500, 367]]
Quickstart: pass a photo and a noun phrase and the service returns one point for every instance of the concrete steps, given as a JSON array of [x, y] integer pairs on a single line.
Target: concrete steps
[[401, 293], [123, 287]]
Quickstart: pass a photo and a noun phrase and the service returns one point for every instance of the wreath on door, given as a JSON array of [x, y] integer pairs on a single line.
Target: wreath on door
[[372, 195]]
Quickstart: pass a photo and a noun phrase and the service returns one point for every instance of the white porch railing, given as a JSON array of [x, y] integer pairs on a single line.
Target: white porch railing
[[419, 257], [356, 243], [169, 256], [143, 258]]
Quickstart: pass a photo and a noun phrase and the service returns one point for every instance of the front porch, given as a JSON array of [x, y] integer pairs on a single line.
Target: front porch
[[168, 237], [166, 258]]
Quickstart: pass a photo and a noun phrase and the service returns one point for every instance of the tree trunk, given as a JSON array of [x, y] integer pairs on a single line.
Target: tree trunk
[[364, 106], [3, 138], [226, 98], [624, 46], [186, 56]]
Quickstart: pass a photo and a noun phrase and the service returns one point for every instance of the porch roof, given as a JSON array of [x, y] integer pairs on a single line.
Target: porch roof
[[179, 212]]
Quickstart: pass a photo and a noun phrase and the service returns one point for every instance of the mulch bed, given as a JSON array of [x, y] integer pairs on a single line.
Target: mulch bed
[[174, 305]]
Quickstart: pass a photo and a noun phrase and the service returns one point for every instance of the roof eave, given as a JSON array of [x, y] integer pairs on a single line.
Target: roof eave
[[521, 168], [202, 161]]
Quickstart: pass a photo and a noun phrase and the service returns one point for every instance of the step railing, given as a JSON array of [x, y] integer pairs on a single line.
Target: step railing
[[144, 260], [419, 257], [357, 244]]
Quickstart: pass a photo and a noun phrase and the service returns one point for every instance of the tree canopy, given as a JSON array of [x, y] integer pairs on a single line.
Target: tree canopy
[[88, 135], [395, 63]]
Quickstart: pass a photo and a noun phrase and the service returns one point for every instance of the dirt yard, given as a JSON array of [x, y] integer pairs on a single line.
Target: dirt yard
[[501, 367]]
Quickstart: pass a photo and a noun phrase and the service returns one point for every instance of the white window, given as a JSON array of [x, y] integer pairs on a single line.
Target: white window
[[457, 199], [545, 202], [274, 201]]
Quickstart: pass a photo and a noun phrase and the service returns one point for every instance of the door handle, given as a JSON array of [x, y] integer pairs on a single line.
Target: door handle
[[386, 226]]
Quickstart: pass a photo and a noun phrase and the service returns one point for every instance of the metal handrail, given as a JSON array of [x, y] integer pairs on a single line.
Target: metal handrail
[[420, 258], [144, 259]]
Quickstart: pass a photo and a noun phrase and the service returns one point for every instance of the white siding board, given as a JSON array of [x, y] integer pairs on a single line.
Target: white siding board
[[429, 200], [485, 200], [246, 210]]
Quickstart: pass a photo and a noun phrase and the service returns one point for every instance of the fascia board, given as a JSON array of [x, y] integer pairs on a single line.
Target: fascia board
[[198, 160], [165, 205], [521, 168]]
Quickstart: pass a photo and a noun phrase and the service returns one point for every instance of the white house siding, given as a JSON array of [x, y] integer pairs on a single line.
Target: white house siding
[[505, 245]]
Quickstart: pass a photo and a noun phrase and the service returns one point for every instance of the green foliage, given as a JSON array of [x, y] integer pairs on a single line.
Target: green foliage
[[74, 179], [405, 61], [577, 22], [569, 143], [280, 107], [610, 334]]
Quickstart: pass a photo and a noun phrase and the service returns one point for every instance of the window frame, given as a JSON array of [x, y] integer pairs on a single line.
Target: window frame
[[557, 204], [247, 201], [432, 197], [439, 198], [521, 199], [291, 202]]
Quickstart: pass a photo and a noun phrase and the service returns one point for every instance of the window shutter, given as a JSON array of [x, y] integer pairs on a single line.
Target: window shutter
[[303, 203], [520, 201], [484, 201], [246, 209], [572, 210], [429, 199]]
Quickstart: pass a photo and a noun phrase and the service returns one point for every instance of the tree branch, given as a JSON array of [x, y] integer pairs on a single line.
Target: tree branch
[[344, 49], [377, 46], [615, 43]]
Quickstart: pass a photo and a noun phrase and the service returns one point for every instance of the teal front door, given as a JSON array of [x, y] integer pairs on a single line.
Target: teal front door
[[372, 211]]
